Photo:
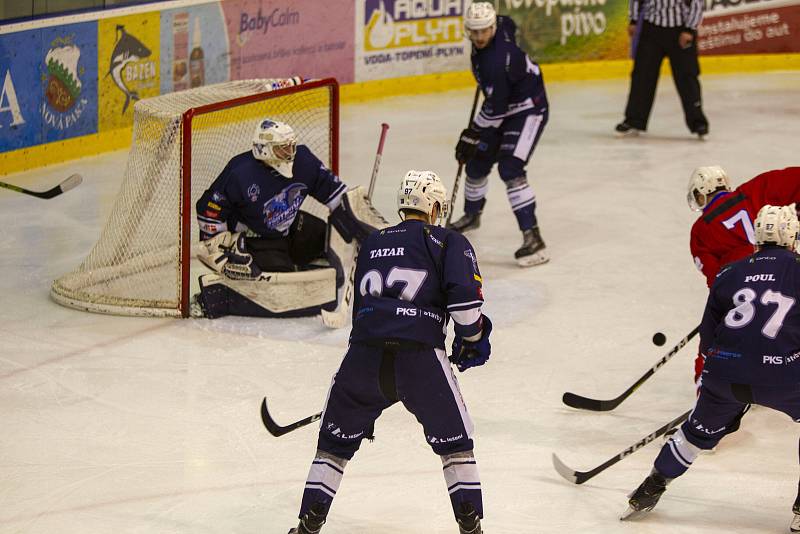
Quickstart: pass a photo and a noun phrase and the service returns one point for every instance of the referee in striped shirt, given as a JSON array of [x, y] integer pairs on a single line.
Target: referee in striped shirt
[[661, 28]]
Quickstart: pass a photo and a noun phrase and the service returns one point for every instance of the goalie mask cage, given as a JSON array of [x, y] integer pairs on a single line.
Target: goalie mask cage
[[140, 265]]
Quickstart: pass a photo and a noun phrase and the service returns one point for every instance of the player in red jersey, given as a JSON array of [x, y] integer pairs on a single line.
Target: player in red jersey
[[724, 232]]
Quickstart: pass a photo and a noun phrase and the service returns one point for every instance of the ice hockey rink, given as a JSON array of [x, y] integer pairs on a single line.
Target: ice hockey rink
[[135, 425]]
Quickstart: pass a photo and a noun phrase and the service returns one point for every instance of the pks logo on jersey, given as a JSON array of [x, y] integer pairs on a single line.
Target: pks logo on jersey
[[253, 191], [280, 210]]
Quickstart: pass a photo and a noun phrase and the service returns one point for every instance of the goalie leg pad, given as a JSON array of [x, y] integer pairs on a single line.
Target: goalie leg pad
[[298, 294]]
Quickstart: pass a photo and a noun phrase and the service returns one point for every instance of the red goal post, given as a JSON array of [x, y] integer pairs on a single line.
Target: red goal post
[[141, 264]]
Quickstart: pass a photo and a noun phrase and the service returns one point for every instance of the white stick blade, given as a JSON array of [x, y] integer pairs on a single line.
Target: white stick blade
[[336, 318], [562, 469], [71, 182]]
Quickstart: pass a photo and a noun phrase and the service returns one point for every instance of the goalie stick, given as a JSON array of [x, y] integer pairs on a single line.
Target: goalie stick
[[277, 430], [596, 405], [579, 477], [70, 183], [338, 318], [461, 165]]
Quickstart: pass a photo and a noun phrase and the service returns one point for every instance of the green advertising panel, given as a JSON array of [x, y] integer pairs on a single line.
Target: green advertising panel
[[570, 30]]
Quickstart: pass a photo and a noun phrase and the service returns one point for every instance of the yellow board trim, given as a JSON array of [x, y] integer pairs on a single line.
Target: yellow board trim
[[91, 145]]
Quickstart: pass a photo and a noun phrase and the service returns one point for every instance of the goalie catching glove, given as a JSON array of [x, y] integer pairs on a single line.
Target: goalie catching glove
[[467, 145], [468, 354], [226, 253]]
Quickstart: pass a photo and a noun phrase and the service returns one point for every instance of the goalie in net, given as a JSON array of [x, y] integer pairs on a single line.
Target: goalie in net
[[269, 258]]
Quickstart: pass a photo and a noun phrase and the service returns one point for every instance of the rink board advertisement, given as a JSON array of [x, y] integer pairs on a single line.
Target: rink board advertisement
[[727, 28], [48, 81], [410, 37], [194, 51], [570, 30], [282, 38], [128, 60]]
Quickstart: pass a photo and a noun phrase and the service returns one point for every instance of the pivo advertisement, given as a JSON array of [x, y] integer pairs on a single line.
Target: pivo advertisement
[[570, 30]]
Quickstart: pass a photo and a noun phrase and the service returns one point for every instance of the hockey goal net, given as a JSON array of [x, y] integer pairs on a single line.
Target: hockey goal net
[[140, 265]]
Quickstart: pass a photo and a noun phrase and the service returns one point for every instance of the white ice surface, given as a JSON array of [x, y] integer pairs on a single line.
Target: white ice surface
[[131, 425]]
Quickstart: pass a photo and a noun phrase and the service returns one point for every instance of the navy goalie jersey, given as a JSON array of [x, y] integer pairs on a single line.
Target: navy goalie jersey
[[249, 195], [409, 279], [750, 332]]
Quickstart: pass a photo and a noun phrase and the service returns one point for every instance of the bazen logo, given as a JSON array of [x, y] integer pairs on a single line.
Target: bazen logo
[[126, 50], [412, 23], [63, 105]]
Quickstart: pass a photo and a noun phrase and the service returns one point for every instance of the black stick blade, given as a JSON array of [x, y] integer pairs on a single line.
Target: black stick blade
[[277, 430], [585, 403]]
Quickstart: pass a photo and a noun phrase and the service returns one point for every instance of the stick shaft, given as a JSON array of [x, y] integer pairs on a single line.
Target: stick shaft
[[457, 181]]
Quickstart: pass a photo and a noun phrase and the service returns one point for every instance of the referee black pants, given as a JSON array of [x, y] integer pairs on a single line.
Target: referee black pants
[[656, 42]]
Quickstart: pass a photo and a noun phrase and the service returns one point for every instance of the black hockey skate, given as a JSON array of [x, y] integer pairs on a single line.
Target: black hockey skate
[[532, 251], [312, 521], [646, 496], [468, 520], [624, 129], [468, 221]]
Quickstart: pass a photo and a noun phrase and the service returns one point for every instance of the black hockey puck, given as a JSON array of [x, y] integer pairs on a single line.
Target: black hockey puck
[[659, 339]]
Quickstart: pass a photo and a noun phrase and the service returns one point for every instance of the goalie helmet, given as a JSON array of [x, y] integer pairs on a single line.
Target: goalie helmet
[[421, 191], [275, 143], [777, 225], [703, 182], [479, 16]]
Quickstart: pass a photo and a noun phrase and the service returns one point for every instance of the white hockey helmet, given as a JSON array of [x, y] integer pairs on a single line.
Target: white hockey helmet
[[275, 143], [703, 182], [479, 16], [777, 225], [420, 191]]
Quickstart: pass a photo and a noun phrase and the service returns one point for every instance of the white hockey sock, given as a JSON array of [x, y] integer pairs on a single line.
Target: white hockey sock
[[519, 192], [325, 474], [462, 479], [475, 189]]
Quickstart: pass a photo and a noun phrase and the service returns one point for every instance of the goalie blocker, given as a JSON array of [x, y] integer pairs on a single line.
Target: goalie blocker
[[296, 276]]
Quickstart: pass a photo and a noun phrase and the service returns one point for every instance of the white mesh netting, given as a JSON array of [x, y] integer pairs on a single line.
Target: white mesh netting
[[135, 266]]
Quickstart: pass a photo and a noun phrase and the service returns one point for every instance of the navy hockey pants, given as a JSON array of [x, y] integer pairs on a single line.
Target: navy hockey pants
[[373, 378], [510, 146], [718, 412]]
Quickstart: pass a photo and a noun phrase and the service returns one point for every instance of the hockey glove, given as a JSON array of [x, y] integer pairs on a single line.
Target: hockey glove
[[468, 354], [240, 264], [467, 145]]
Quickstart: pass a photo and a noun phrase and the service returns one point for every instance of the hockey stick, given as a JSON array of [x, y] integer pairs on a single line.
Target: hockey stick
[[461, 165], [579, 477], [596, 405], [70, 183], [277, 430], [338, 318]]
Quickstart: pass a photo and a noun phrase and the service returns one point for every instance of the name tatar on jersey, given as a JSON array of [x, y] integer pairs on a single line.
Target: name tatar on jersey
[[386, 252]]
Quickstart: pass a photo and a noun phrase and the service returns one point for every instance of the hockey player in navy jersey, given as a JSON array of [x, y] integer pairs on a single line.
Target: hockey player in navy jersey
[[750, 334], [250, 219], [507, 128], [410, 279]]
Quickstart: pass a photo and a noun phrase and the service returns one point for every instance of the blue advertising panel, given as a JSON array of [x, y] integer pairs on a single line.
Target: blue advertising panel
[[48, 85], [20, 125], [68, 81]]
